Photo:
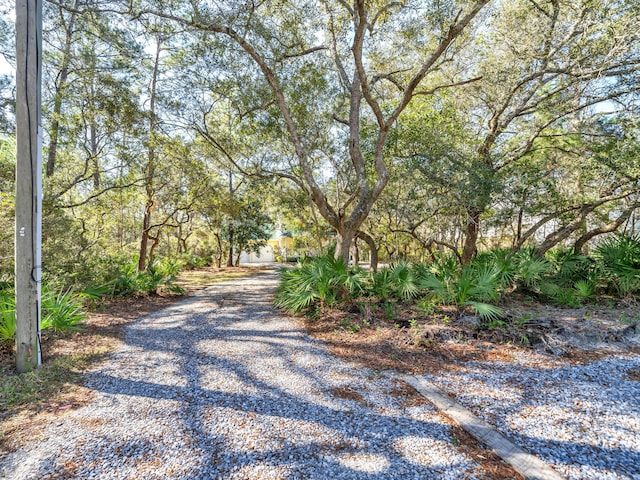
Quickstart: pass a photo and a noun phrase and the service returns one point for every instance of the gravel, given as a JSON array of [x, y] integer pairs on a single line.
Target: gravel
[[582, 419], [221, 386]]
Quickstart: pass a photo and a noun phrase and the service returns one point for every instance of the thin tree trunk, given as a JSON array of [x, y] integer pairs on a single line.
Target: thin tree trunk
[[151, 159], [93, 131], [59, 93], [230, 256], [144, 240], [470, 248], [519, 228], [219, 255], [156, 241]]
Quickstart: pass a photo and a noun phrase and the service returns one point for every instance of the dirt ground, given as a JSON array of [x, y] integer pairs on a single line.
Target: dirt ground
[[398, 337]]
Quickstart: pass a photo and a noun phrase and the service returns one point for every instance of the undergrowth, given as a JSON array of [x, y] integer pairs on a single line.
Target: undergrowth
[[561, 278]]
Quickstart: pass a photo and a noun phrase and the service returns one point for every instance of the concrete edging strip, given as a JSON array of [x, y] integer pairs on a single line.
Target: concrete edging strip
[[524, 463]]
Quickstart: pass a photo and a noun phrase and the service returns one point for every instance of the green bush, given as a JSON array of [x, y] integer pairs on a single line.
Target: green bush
[[60, 311], [158, 276], [474, 286], [380, 284], [322, 280], [190, 261], [619, 259], [561, 277], [7, 315], [404, 281]]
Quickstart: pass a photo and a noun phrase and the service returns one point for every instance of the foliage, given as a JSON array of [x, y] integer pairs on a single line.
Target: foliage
[[158, 276], [60, 310], [562, 277], [7, 315], [619, 257], [323, 280], [404, 280], [507, 141], [473, 286]]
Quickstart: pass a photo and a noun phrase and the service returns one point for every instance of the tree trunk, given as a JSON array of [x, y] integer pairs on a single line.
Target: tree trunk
[[57, 98], [219, 256], [373, 248], [518, 228], [230, 257], [356, 252], [472, 229], [557, 237], [343, 247], [152, 250], [608, 228], [94, 154], [151, 158], [144, 240]]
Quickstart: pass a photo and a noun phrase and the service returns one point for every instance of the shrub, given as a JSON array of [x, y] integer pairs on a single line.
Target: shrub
[[158, 276], [473, 286], [7, 315], [404, 281], [531, 269], [324, 280], [60, 311], [619, 258]]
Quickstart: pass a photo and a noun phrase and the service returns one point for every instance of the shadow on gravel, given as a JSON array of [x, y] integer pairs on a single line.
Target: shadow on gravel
[[596, 397], [621, 461], [203, 336], [185, 336]]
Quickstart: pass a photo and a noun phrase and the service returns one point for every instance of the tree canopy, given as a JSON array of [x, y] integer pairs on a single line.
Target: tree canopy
[[191, 129]]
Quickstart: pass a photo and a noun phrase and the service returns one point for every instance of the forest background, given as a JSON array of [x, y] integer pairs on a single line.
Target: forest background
[[185, 132]]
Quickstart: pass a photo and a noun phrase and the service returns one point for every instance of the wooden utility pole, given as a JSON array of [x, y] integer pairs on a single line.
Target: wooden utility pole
[[28, 183]]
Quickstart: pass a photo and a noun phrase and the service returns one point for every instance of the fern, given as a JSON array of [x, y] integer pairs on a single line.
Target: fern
[[7, 316]]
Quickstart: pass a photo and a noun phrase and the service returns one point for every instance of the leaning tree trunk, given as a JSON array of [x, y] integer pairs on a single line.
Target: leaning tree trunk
[[373, 263], [608, 228]]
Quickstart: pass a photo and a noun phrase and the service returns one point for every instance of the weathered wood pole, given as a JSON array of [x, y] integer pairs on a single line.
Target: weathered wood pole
[[28, 237]]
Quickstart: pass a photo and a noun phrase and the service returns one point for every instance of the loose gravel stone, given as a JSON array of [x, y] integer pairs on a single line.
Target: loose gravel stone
[[584, 420], [219, 386]]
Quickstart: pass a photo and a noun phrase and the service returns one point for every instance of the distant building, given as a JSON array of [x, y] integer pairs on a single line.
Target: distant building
[[278, 248]]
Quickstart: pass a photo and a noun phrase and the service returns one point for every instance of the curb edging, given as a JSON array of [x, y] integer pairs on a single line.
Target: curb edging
[[529, 466]]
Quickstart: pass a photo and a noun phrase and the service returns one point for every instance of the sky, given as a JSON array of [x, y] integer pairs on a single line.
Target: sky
[[5, 68]]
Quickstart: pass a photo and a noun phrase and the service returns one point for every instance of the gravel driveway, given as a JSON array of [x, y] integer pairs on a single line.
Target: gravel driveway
[[221, 386], [582, 419]]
